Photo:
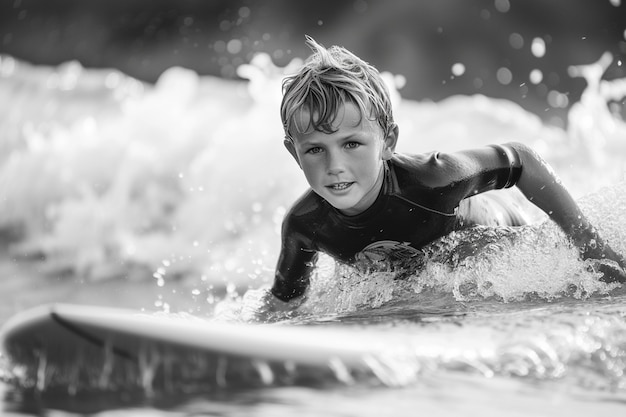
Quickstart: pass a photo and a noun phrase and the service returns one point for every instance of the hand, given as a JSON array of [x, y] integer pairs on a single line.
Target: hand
[[611, 264], [605, 260], [260, 305], [611, 270]]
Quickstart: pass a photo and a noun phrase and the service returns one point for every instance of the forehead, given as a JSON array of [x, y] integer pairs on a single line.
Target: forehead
[[347, 116]]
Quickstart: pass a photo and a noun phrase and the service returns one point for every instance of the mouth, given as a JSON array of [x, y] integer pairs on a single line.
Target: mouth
[[340, 186]]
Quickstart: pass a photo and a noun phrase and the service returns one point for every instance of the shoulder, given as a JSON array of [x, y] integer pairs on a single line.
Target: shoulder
[[442, 169], [436, 162], [308, 203], [305, 212], [430, 170]]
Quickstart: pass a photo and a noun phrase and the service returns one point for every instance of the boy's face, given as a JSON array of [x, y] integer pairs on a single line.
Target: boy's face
[[345, 167]]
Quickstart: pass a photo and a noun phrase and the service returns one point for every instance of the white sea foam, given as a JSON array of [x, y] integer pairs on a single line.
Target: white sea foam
[[102, 173]]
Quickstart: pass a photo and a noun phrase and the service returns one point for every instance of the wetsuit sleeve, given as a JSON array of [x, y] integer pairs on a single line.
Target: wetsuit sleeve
[[542, 187], [295, 264], [499, 167], [466, 173]]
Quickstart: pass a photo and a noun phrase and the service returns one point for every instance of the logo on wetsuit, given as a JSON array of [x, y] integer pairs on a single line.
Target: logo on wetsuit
[[389, 254]]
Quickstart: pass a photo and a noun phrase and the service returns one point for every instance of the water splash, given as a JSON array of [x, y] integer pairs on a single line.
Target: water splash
[[150, 173], [481, 263]]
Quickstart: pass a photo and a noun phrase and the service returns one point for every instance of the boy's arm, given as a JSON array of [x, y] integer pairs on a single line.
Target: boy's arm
[[542, 187], [294, 268], [295, 265], [285, 295]]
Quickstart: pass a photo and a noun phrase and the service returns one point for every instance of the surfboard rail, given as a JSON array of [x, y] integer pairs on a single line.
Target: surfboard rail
[[58, 327]]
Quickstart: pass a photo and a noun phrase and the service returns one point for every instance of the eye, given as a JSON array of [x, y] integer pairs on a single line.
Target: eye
[[352, 145], [314, 150]]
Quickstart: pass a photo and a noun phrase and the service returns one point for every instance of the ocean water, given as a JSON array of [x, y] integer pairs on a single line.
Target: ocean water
[[168, 199]]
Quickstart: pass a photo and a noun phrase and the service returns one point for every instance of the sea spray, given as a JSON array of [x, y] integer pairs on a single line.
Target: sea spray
[[123, 176], [480, 263]]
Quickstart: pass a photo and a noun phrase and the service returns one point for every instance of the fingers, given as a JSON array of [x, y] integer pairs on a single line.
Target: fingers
[[611, 271]]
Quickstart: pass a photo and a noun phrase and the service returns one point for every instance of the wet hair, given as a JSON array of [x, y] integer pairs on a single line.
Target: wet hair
[[330, 78]]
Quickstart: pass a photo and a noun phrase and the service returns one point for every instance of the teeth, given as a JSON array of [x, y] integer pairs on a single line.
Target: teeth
[[341, 186]]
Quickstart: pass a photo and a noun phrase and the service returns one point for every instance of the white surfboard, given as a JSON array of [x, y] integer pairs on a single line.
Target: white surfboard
[[66, 342], [76, 347]]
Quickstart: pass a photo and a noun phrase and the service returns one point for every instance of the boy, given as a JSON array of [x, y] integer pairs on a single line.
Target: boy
[[366, 200]]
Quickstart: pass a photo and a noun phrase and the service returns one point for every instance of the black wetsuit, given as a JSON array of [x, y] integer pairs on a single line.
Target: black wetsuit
[[417, 204]]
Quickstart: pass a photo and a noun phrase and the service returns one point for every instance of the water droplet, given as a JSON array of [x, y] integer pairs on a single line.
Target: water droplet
[[516, 41], [538, 47], [536, 76], [41, 369], [557, 99], [225, 25], [502, 6], [265, 372], [458, 69], [219, 46], [234, 46], [504, 76], [244, 12]]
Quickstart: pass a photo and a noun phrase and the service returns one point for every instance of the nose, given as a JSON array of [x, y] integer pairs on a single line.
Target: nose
[[334, 163]]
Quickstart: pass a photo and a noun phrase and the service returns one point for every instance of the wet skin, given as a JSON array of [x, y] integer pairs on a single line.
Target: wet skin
[[345, 167]]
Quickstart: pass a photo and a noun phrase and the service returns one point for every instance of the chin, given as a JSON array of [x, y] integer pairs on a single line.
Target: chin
[[342, 206], [339, 205]]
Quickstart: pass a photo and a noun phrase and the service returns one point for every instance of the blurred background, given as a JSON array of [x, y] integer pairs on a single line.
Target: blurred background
[[518, 50], [134, 159]]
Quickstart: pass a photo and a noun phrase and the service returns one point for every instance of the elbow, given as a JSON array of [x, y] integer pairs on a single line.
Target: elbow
[[531, 164], [524, 152]]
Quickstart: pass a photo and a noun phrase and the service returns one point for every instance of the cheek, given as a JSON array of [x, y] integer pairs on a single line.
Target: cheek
[[311, 170], [370, 166]]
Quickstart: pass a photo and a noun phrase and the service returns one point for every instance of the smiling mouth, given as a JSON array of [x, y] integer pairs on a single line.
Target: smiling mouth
[[339, 186]]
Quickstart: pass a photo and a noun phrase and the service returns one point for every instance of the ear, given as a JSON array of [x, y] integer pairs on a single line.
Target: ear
[[389, 146], [292, 150]]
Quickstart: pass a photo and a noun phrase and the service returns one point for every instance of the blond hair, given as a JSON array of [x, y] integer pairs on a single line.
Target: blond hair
[[330, 78]]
